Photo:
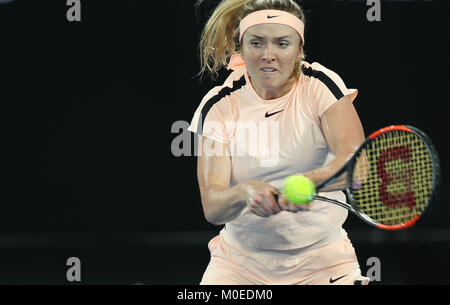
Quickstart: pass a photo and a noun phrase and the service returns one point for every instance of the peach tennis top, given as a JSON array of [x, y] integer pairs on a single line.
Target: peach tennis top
[[268, 140]]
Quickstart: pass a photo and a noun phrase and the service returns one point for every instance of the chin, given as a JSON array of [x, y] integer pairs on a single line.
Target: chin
[[271, 84]]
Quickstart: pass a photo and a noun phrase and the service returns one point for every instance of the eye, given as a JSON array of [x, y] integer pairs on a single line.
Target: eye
[[255, 43], [283, 44]]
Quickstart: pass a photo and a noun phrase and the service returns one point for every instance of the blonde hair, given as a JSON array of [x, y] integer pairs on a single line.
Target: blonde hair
[[220, 36]]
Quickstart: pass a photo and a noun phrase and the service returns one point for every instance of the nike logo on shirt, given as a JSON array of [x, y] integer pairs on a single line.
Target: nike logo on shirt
[[336, 279], [270, 114]]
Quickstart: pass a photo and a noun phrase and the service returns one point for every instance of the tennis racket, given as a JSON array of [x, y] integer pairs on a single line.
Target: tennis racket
[[392, 178]]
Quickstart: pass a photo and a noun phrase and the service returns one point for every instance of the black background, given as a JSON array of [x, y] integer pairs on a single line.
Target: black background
[[86, 113]]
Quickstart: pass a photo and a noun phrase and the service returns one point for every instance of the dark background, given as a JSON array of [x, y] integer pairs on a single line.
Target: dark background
[[86, 114]]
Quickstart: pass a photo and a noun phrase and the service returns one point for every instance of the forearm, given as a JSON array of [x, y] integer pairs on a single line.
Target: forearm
[[322, 174], [222, 204]]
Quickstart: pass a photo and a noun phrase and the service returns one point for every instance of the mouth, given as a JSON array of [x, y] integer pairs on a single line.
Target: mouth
[[268, 70]]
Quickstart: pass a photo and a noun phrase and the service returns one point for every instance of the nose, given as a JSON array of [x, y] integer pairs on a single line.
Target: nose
[[268, 55]]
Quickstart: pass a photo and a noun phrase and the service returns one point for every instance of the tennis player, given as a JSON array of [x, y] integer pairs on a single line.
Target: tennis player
[[301, 120]]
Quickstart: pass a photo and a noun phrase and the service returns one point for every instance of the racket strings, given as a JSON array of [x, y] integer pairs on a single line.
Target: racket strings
[[393, 178]]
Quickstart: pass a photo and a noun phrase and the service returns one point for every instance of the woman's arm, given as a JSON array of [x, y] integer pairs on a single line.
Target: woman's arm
[[344, 133], [222, 203]]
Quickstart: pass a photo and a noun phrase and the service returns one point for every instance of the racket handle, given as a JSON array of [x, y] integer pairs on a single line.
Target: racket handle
[[276, 197]]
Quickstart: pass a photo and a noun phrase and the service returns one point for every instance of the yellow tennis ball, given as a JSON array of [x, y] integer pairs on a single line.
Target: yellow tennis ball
[[299, 189]]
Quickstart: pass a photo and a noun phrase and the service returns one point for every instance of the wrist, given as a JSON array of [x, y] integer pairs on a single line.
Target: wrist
[[242, 191]]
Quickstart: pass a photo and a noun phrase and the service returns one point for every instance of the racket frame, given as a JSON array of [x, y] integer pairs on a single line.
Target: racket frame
[[352, 206]]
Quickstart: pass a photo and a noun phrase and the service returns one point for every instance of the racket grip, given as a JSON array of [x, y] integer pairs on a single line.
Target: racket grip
[[276, 197]]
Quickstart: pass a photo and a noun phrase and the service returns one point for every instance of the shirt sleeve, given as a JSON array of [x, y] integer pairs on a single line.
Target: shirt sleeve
[[326, 89], [208, 119]]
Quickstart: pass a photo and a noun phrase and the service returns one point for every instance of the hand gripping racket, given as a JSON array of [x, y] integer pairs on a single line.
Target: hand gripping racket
[[391, 179]]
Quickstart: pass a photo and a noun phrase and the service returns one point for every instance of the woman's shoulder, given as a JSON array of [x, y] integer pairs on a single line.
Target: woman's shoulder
[[233, 82], [315, 69], [236, 78], [218, 97], [318, 76]]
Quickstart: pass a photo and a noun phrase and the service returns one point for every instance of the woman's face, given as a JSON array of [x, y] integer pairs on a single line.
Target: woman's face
[[270, 52]]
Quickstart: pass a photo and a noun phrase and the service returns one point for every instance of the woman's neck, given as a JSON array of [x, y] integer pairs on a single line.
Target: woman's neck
[[273, 93]]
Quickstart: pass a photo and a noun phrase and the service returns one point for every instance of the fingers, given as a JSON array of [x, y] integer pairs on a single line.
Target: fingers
[[257, 208], [261, 206], [266, 205], [283, 203], [292, 207], [270, 201], [263, 203]]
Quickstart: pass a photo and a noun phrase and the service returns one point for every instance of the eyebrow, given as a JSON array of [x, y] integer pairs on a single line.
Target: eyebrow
[[278, 38]]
